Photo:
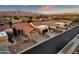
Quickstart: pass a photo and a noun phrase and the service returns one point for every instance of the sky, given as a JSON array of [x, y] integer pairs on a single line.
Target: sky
[[46, 9]]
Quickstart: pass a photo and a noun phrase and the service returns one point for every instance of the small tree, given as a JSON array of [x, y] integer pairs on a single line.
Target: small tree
[[15, 17], [76, 21], [29, 20], [10, 24]]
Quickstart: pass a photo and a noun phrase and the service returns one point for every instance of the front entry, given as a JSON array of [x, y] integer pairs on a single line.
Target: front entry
[[44, 31]]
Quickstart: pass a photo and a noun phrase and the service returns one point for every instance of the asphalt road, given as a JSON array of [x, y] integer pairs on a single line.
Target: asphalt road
[[55, 44]]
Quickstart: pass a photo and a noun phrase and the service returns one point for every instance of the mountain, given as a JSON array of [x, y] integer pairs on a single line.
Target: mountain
[[28, 13], [18, 13]]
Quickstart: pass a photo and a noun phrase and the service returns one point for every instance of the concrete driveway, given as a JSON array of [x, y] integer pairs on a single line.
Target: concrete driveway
[[37, 38], [50, 34]]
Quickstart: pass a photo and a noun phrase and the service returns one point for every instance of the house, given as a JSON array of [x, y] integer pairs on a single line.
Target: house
[[67, 22], [4, 20], [62, 25], [40, 26], [23, 28], [50, 24], [15, 21], [29, 31], [4, 43], [3, 38], [4, 24]]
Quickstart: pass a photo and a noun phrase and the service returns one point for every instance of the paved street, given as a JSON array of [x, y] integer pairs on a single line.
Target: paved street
[[55, 44], [71, 46]]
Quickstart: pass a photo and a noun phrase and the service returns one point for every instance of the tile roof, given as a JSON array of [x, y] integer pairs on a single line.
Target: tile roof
[[19, 26], [37, 23], [23, 26], [28, 29], [66, 21], [49, 23]]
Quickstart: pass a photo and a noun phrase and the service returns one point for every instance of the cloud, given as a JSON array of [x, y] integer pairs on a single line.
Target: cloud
[[47, 10], [72, 10], [46, 7]]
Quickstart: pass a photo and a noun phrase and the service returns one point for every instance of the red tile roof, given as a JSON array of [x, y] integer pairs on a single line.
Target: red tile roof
[[28, 29], [19, 26], [49, 23], [22, 26], [66, 21], [37, 23]]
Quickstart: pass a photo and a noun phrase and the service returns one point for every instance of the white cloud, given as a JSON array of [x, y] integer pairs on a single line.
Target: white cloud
[[46, 7], [53, 11], [72, 10]]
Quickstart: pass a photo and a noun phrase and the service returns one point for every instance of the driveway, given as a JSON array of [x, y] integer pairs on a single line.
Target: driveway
[[37, 38], [51, 34]]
